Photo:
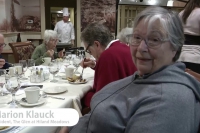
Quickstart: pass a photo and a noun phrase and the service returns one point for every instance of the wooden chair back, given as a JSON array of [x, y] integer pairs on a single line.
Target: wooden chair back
[[22, 50]]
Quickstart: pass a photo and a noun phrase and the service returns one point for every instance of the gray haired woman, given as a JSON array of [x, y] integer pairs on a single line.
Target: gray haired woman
[[48, 48], [126, 33], [160, 97]]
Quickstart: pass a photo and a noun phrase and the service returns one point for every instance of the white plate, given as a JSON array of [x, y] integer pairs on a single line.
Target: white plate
[[6, 129], [78, 82], [40, 101], [55, 90]]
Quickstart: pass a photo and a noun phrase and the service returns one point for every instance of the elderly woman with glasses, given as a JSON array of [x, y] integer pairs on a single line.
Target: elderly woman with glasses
[[48, 48], [160, 97], [109, 54], [3, 63]]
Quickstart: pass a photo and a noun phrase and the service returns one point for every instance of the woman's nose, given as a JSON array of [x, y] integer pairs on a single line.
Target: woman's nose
[[143, 46]]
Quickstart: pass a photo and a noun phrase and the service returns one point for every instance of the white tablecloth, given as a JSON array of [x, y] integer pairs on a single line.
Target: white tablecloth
[[72, 97]]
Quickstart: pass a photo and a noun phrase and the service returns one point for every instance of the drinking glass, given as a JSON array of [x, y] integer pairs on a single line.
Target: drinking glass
[[31, 64], [12, 85], [2, 80], [53, 69], [18, 71], [68, 56], [24, 68], [76, 62]]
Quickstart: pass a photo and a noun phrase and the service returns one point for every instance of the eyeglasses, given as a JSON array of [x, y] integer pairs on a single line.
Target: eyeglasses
[[87, 49], [2, 45], [151, 41], [53, 40]]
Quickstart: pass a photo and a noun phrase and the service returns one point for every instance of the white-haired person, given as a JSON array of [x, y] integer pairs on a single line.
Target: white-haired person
[[126, 33], [48, 48], [160, 97]]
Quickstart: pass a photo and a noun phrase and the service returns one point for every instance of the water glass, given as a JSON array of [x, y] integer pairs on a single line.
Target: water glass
[[68, 56], [53, 69], [31, 64], [12, 85], [2, 80]]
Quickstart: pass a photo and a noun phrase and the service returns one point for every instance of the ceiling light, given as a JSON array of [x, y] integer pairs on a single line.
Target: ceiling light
[[170, 3], [152, 2]]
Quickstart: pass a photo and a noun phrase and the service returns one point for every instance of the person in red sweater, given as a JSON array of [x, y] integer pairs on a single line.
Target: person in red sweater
[[113, 58]]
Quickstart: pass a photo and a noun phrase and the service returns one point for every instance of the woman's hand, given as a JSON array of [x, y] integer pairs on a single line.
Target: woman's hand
[[87, 62], [61, 53], [2, 62], [50, 52]]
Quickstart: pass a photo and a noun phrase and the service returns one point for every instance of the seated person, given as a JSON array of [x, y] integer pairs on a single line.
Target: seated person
[[48, 48], [3, 63], [160, 97], [109, 54], [126, 33]]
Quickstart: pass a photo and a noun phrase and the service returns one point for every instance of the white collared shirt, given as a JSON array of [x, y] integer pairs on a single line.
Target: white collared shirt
[[111, 43]]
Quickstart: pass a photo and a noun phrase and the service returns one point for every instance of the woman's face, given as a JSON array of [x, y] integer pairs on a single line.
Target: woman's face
[[52, 43], [152, 57]]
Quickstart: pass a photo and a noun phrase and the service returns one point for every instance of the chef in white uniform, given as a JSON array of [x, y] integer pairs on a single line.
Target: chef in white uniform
[[65, 29]]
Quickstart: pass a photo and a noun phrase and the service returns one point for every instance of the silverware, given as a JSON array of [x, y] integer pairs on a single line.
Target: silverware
[[45, 96], [56, 97], [81, 75], [24, 99]]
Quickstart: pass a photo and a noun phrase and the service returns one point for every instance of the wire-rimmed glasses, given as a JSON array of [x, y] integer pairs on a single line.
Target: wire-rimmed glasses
[[151, 41], [87, 49], [2, 45]]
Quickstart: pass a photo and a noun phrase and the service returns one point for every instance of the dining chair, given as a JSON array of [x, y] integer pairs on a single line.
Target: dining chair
[[22, 50], [36, 41], [194, 74]]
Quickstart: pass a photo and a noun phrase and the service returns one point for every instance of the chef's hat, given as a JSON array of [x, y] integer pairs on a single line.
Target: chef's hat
[[65, 12]]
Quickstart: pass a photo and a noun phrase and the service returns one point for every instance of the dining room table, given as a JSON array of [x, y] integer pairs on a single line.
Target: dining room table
[[69, 98]]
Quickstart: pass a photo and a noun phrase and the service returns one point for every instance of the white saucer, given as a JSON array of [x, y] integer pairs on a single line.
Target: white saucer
[[40, 101], [6, 129], [55, 90]]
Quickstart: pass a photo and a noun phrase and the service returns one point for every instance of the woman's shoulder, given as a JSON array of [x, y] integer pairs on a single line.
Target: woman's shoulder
[[197, 9], [40, 47], [195, 13]]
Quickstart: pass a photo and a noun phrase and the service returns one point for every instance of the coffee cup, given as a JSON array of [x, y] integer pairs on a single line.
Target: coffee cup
[[32, 94], [69, 71], [18, 69], [46, 60], [11, 71]]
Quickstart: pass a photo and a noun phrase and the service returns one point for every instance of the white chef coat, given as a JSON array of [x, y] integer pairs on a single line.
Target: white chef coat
[[65, 31]]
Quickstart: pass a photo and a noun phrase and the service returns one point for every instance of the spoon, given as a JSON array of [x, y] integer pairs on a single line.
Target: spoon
[[24, 99], [45, 96]]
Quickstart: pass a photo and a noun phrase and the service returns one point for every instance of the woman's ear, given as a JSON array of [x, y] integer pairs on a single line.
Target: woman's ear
[[97, 44], [174, 52]]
